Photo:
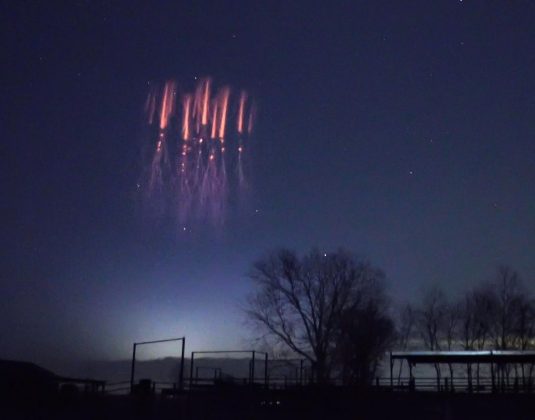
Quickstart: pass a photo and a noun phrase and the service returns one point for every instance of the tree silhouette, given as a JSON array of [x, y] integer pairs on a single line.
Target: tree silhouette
[[431, 320], [366, 332], [509, 297], [301, 302]]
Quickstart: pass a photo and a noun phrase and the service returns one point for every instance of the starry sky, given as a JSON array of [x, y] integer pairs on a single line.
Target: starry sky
[[403, 131]]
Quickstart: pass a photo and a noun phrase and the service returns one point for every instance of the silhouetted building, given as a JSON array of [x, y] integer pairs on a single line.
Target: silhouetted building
[[24, 379]]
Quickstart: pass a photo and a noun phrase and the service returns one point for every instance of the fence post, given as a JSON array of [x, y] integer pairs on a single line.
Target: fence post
[[252, 368], [191, 370], [266, 372], [391, 372], [133, 368], [181, 379]]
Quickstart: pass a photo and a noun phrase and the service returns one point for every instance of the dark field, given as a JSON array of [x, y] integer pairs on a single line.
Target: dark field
[[258, 404]]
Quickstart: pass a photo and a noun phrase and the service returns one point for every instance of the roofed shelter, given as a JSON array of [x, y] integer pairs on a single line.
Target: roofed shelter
[[499, 362]]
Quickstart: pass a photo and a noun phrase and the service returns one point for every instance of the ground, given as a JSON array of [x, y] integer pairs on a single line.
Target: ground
[[258, 404]]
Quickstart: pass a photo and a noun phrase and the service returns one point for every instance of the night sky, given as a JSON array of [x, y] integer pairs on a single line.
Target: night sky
[[403, 131]]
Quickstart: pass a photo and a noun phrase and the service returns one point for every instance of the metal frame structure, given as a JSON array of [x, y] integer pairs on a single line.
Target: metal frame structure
[[251, 363], [496, 359], [216, 370], [181, 373], [299, 370]]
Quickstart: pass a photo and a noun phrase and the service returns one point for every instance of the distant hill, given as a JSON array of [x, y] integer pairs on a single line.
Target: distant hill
[[165, 369], [18, 377]]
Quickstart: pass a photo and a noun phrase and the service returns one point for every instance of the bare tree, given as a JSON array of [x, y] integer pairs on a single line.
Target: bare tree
[[508, 297], [365, 332], [407, 319], [405, 330], [451, 328], [467, 323], [299, 302], [475, 322], [525, 324], [525, 331], [431, 321], [431, 318], [509, 314], [452, 320]]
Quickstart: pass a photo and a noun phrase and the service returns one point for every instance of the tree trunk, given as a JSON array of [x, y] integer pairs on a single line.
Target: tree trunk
[[320, 367]]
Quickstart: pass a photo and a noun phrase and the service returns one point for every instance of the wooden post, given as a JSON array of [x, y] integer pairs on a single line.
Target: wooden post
[[133, 369], [181, 377], [252, 368], [191, 370], [266, 372], [391, 372], [477, 382], [469, 371], [412, 382], [492, 375]]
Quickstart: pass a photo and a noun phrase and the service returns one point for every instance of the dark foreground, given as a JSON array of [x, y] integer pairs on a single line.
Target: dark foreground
[[248, 404]]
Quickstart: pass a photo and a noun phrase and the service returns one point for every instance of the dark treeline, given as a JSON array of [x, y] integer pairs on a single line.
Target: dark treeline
[[333, 310], [495, 315]]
